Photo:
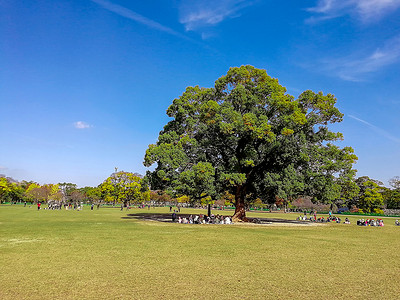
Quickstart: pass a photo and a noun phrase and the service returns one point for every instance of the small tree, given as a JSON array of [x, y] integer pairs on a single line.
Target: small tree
[[124, 187], [371, 198]]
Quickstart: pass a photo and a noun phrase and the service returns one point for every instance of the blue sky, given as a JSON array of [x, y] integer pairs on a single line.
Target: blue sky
[[84, 85]]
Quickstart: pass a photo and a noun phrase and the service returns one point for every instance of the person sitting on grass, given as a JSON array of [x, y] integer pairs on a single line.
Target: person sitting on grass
[[347, 221], [397, 223]]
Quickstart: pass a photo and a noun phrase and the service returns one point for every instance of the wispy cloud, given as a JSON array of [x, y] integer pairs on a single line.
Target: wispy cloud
[[129, 14], [365, 10], [378, 130], [82, 125], [200, 14], [357, 66]]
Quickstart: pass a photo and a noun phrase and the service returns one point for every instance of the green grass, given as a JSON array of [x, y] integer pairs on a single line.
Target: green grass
[[98, 255]]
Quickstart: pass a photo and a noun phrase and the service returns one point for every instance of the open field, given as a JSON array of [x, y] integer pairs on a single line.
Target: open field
[[100, 255]]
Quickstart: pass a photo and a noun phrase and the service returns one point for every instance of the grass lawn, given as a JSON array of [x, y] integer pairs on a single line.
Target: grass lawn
[[99, 255]]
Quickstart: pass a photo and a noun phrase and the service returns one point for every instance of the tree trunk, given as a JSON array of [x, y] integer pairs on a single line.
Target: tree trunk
[[240, 211]]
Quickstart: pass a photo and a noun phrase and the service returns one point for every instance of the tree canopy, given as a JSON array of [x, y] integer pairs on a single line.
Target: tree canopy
[[246, 135], [124, 187]]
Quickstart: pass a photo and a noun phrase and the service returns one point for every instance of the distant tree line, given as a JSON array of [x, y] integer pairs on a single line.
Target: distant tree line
[[119, 187], [366, 195]]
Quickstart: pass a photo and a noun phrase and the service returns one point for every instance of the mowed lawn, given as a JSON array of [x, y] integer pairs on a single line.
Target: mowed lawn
[[100, 255]]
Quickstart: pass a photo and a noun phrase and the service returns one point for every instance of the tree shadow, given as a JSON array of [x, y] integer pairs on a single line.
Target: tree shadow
[[162, 217]]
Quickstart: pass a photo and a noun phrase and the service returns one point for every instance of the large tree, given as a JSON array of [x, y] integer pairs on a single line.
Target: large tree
[[246, 135]]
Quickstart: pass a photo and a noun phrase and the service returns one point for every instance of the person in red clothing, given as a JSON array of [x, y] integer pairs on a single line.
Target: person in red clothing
[[38, 205]]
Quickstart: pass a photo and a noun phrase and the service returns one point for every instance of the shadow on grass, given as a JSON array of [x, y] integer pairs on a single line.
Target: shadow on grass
[[168, 218]]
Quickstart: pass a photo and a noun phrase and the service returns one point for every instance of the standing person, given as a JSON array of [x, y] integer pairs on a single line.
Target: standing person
[[91, 207], [315, 215], [122, 207], [25, 204], [38, 205], [173, 216]]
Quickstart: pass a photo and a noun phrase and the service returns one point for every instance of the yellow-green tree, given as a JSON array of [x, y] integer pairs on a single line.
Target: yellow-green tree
[[10, 191], [124, 187]]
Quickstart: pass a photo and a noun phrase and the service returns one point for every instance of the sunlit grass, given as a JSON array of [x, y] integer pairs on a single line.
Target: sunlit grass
[[99, 255]]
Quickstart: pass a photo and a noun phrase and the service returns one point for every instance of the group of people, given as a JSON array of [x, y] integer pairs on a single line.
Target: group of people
[[56, 205], [328, 219], [202, 219], [370, 222]]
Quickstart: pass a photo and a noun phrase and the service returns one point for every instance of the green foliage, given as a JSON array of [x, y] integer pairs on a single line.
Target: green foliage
[[10, 191], [92, 194], [38, 193], [247, 136], [391, 198], [371, 198], [124, 187]]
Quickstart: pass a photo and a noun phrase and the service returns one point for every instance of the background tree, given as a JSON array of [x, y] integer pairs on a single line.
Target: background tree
[[370, 196], [34, 192], [77, 196], [391, 197], [247, 136], [371, 200], [395, 182], [67, 188], [91, 194], [124, 187], [44, 193], [10, 190]]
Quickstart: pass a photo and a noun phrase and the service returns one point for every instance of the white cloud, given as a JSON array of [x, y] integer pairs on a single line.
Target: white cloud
[[81, 125], [378, 130], [355, 67], [129, 14], [366, 10], [200, 14]]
